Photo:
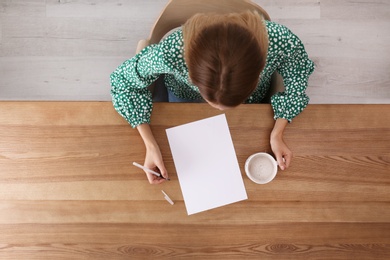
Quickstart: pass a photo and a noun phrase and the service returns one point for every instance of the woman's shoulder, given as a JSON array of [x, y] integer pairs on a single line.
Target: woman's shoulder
[[173, 41], [172, 49], [276, 30], [281, 38]]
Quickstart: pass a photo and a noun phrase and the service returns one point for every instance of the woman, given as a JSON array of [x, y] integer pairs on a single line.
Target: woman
[[224, 60]]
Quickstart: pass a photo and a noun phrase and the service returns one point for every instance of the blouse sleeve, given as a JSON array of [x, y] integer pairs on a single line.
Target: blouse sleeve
[[130, 96], [295, 69]]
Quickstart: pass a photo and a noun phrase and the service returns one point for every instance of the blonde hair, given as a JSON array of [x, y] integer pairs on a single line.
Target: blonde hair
[[225, 54]]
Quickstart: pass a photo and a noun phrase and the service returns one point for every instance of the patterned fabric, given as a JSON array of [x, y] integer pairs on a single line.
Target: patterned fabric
[[286, 55]]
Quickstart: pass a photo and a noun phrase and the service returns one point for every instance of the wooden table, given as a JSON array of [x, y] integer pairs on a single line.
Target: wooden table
[[68, 189]]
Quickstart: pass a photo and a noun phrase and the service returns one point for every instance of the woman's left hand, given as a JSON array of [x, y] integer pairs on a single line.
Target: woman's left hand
[[282, 153]]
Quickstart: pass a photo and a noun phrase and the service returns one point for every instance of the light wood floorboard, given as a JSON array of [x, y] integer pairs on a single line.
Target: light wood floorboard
[[65, 50]]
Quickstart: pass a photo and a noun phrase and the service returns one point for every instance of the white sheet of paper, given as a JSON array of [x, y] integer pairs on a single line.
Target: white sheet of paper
[[206, 164]]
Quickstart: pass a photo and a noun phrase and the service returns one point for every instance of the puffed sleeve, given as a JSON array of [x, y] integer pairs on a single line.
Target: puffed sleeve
[[295, 68], [130, 95]]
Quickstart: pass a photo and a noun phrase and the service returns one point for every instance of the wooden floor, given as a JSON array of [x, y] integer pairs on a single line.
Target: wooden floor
[[66, 49], [68, 189]]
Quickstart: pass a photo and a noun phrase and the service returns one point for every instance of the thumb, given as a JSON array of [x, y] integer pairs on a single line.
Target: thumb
[[163, 170]]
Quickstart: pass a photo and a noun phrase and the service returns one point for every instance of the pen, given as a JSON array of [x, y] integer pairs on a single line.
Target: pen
[[149, 170]]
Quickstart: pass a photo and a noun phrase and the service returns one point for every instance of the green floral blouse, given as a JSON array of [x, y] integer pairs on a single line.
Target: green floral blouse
[[286, 55]]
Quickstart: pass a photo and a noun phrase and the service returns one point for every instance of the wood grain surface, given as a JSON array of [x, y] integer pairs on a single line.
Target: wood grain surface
[[68, 189]]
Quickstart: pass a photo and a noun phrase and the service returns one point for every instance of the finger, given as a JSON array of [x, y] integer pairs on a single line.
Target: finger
[[150, 177], [287, 158], [158, 180], [163, 170], [153, 179], [281, 163]]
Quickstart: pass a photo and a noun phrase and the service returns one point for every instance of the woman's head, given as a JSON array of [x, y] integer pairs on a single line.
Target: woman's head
[[225, 54]]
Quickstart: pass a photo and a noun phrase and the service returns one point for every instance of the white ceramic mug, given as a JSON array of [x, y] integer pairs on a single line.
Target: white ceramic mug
[[261, 168]]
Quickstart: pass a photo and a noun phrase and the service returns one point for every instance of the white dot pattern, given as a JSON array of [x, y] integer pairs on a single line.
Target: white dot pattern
[[286, 55]]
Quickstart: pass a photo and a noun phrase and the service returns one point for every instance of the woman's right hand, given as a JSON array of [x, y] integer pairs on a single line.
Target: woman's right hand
[[153, 158], [154, 161]]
